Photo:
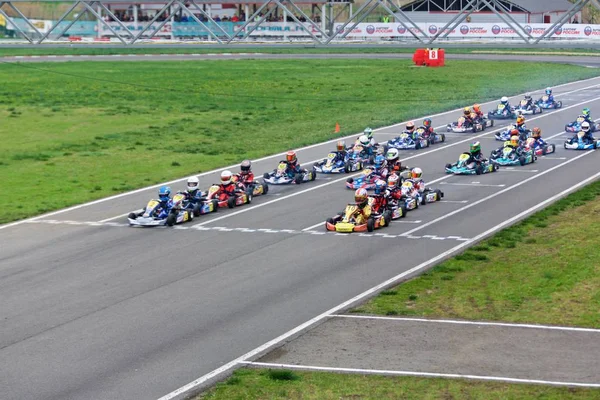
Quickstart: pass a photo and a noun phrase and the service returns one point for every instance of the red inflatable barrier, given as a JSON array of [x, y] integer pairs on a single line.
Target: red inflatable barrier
[[74, 38], [429, 57], [419, 57]]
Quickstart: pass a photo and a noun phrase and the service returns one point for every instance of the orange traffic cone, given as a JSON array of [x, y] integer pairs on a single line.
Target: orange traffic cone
[[337, 127]]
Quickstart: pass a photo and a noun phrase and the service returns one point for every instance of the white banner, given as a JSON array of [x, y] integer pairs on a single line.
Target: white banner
[[473, 30], [283, 29]]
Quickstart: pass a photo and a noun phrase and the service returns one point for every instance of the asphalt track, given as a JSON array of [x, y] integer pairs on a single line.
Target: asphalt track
[[92, 308], [590, 61]]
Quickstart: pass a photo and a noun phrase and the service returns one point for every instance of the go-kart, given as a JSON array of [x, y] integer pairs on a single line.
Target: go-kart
[[575, 126], [225, 200], [280, 176], [578, 142], [397, 209], [528, 109], [505, 135], [199, 205], [366, 180], [509, 156], [345, 222], [462, 126], [255, 188], [544, 103], [502, 112], [153, 215], [406, 142], [539, 150], [351, 163], [462, 168], [432, 137], [419, 198]]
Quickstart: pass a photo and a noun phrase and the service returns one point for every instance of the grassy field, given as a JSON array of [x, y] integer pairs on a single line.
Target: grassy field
[[75, 132], [544, 270], [297, 49], [286, 385]]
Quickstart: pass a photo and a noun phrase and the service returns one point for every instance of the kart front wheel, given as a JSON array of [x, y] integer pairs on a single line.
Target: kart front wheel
[[231, 202], [371, 224], [171, 219], [132, 216], [215, 204]]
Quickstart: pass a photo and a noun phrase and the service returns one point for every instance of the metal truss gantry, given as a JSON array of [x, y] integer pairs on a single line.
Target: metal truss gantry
[[323, 32]]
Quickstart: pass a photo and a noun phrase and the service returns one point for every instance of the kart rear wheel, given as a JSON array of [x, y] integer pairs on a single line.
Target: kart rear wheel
[[479, 170], [403, 210], [350, 180], [522, 160], [438, 194], [171, 219], [132, 216], [196, 210], [265, 188], [387, 216], [313, 176], [371, 224], [249, 197], [231, 202], [448, 166], [215, 204], [442, 137], [266, 175], [299, 178]]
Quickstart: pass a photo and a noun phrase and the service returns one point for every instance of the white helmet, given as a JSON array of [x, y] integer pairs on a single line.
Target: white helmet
[[416, 173], [226, 177], [364, 140], [392, 154], [585, 126], [192, 183], [504, 99]]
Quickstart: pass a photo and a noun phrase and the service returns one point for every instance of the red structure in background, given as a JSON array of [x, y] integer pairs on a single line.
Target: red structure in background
[[430, 57]]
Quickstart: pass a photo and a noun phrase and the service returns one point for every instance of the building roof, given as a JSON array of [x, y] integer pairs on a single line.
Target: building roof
[[538, 6]]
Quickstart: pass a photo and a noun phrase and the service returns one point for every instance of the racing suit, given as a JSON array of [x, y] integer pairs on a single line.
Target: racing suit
[[195, 196], [529, 104], [379, 202], [588, 137], [428, 131], [418, 184], [468, 120], [228, 189], [381, 171], [475, 158], [550, 98], [162, 211], [478, 116], [540, 142], [362, 214], [292, 167], [340, 155], [247, 178]]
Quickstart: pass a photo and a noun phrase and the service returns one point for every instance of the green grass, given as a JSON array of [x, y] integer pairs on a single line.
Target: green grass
[[258, 384], [286, 49], [543, 270], [75, 132]]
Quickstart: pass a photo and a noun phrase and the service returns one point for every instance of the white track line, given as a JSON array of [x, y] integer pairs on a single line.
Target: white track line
[[491, 196], [421, 374], [369, 293], [478, 323], [471, 184], [303, 148]]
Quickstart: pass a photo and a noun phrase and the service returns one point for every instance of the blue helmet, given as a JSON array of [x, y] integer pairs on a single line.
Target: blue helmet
[[164, 193], [379, 160], [548, 91], [380, 186]]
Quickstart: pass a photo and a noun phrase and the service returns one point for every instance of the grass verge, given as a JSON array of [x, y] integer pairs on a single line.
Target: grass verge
[[543, 270], [74, 132], [263, 384], [284, 49]]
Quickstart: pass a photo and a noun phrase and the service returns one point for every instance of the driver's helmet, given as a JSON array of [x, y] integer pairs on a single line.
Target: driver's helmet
[[520, 120], [410, 126], [341, 145], [392, 156], [245, 166], [368, 132], [548, 91], [291, 156], [226, 177], [514, 132], [527, 96], [416, 173], [361, 196], [467, 111], [380, 186], [586, 112], [504, 100], [427, 122], [536, 133], [364, 140], [407, 186], [585, 126], [393, 180], [475, 147], [379, 162], [477, 108], [514, 141], [192, 183], [163, 193]]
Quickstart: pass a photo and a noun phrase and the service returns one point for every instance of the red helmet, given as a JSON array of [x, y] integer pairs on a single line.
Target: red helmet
[[291, 156]]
